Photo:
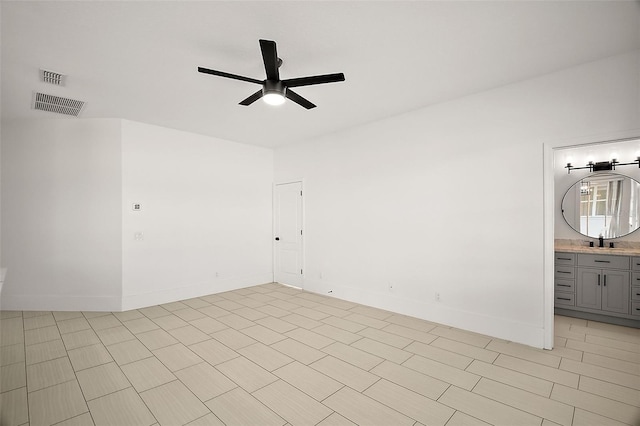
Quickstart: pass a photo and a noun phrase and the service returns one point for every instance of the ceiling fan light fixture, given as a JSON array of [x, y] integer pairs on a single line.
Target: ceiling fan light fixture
[[273, 98], [273, 92]]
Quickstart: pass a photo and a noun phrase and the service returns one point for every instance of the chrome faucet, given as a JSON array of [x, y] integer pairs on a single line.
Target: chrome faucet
[[601, 241]]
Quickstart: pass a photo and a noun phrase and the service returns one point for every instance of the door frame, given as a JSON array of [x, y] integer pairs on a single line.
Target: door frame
[[549, 148], [273, 228]]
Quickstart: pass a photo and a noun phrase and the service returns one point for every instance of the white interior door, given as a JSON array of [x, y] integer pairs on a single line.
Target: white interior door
[[288, 234]]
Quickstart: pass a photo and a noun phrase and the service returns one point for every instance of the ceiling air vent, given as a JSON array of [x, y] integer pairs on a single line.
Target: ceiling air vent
[[52, 77], [56, 104]]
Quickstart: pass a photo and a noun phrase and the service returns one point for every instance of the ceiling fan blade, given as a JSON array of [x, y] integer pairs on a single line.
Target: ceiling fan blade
[[270, 59], [251, 99], [227, 75], [290, 94], [316, 79]]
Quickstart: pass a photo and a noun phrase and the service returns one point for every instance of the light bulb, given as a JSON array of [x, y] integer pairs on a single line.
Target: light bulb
[[569, 160], [273, 98]]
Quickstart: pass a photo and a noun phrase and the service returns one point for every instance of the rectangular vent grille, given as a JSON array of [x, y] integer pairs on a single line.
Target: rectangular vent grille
[[57, 104], [52, 77]]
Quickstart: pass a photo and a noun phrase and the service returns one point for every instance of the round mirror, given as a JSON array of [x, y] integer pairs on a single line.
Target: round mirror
[[603, 204]]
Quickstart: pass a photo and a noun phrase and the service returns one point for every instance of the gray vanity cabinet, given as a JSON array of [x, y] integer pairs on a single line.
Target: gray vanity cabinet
[[565, 278], [603, 289], [635, 286], [615, 292], [635, 300], [588, 291]]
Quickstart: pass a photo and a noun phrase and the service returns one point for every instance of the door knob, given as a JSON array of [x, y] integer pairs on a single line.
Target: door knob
[[277, 238]]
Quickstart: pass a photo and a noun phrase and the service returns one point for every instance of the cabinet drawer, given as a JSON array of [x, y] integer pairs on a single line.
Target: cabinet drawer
[[569, 259], [603, 261], [566, 285], [635, 278], [564, 272], [635, 293], [569, 299], [635, 263], [635, 308]]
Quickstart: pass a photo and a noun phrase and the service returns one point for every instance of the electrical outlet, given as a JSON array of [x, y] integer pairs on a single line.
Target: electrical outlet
[[437, 296]]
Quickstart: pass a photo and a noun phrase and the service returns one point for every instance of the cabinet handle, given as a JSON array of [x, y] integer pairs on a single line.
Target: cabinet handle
[[563, 258], [602, 261], [564, 298], [605, 280], [563, 272], [598, 279], [564, 285], [637, 309]]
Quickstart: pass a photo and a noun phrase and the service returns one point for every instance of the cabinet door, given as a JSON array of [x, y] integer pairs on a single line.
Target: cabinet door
[[615, 291], [588, 288]]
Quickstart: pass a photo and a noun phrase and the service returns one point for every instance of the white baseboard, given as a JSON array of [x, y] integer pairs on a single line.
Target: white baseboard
[[152, 298], [501, 328], [58, 302]]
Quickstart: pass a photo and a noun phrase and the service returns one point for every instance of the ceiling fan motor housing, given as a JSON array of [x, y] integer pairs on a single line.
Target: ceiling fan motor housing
[[271, 86]]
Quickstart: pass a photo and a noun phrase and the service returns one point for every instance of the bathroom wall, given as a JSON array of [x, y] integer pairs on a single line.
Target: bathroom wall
[[438, 213]]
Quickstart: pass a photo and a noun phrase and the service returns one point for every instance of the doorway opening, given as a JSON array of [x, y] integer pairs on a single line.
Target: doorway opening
[[558, 182]]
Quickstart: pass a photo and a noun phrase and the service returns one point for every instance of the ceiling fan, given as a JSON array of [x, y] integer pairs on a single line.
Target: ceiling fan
[[274, 91]]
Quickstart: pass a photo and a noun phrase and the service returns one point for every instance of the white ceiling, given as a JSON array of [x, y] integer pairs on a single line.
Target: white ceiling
[[138, 60]]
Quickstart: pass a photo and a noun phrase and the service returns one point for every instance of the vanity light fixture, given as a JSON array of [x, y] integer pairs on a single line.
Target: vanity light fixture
[[602, 165]]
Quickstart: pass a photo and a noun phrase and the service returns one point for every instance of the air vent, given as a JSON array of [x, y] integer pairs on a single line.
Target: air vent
[[52, 77], [56, 104]]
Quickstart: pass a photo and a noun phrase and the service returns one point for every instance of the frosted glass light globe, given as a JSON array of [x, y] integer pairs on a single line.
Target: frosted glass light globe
[[273, 98]]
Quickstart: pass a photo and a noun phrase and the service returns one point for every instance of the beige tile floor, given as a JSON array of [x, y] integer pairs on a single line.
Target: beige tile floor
[[273, 355]]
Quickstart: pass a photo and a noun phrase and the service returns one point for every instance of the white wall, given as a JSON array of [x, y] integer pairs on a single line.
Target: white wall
[[205, 218], [449, 199], [68, 226], [61, 214]]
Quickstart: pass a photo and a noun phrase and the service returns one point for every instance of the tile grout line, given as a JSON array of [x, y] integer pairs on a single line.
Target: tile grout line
[[127, 378], [116, 364], [75, 373], [72, 369]]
